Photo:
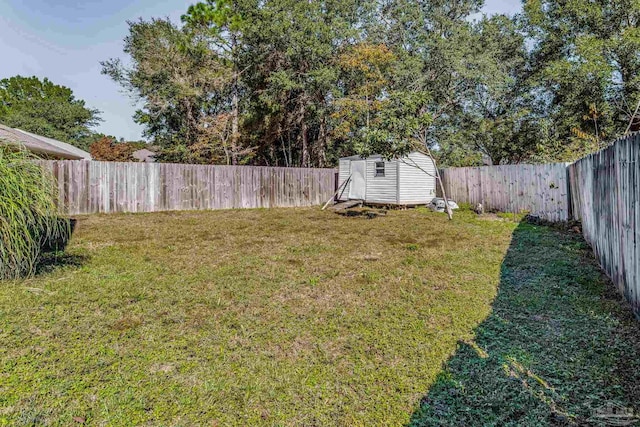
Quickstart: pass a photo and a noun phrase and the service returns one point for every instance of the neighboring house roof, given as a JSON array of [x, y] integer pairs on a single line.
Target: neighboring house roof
[[41, 144], [144, 155]]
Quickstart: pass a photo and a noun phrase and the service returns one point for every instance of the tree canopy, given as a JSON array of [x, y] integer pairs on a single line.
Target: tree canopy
[[50, 110], [109, 150], [290, 83], [586, 65]]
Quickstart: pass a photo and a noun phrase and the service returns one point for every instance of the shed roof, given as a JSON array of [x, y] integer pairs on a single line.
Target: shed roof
[[41, 144], [373, 156], [359, 157]]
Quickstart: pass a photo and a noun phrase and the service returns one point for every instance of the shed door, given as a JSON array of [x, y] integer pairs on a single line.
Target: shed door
[[358, 187]]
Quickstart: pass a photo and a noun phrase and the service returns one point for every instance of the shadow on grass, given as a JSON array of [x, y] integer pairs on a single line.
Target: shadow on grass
[[559, 348], [51, 261], [53, 255]]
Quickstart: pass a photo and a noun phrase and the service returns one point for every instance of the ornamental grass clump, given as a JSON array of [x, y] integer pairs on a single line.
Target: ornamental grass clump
[[28, 214]]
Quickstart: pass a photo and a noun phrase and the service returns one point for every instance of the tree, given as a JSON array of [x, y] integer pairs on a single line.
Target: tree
[[430, 79], [300, 83], [181, 81], [110, 150], [291, 51], [458, 88], [434, 70], [223, 23], [50, 110], [284, 82], [498, 119], [437, 66], [366, 72], [587, 69]]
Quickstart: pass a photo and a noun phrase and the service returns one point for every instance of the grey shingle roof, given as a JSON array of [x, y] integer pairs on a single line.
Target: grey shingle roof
[[144, 155], [41, 145]]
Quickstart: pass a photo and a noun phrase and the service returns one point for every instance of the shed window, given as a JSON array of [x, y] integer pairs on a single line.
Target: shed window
[[379, 168]]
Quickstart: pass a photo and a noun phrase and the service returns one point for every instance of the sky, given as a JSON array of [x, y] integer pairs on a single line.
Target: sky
[[65, 40]]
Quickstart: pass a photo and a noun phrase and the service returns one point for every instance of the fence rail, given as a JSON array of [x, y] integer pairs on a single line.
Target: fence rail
[[541, 190], [86, 187], [605, 190]]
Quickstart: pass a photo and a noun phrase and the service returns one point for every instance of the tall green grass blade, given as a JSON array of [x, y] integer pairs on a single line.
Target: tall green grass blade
[[28, 213]]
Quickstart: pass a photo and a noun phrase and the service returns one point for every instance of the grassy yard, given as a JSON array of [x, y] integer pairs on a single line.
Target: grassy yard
[[302, 317], [558, 346]]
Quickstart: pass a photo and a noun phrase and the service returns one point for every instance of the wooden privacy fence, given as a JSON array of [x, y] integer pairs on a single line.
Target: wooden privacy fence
[[86, 187], [541, 190], [605, 190]]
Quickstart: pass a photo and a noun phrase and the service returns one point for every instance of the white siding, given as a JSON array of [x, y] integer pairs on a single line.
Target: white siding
[[382, 189], [416, 186], [343, 174]]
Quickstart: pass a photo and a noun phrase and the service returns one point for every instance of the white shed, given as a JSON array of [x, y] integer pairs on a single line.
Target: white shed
[[409, 180]]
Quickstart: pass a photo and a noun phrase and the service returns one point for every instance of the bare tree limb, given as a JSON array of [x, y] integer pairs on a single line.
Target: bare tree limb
[[632, 117]]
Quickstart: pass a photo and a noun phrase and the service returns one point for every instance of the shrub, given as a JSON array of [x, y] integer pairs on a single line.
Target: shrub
[[109, 150], [28, 214]]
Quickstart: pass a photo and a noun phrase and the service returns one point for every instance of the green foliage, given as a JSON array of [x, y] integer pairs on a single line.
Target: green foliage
[[461, 88], [28, 215], [284, 82], [275, 71], [558, 345], [587, 69], [41, 107], [435, 70], [370, 116], [219, 17], [497, 120], [292, 51], [178, 77]]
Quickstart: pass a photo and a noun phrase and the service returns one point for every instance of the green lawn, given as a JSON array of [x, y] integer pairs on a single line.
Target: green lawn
[[558, 345], [302, 317]]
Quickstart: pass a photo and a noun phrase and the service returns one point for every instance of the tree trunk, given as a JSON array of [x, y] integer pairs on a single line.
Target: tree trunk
[[439, 179], [226, 154], [305, 144], [284, 152], [304, 135], [234, 100], [444, 194], [322, 144]]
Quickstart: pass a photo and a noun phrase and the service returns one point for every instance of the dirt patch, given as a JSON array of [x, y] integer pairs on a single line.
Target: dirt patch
[[368, 213], [126, 323]]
